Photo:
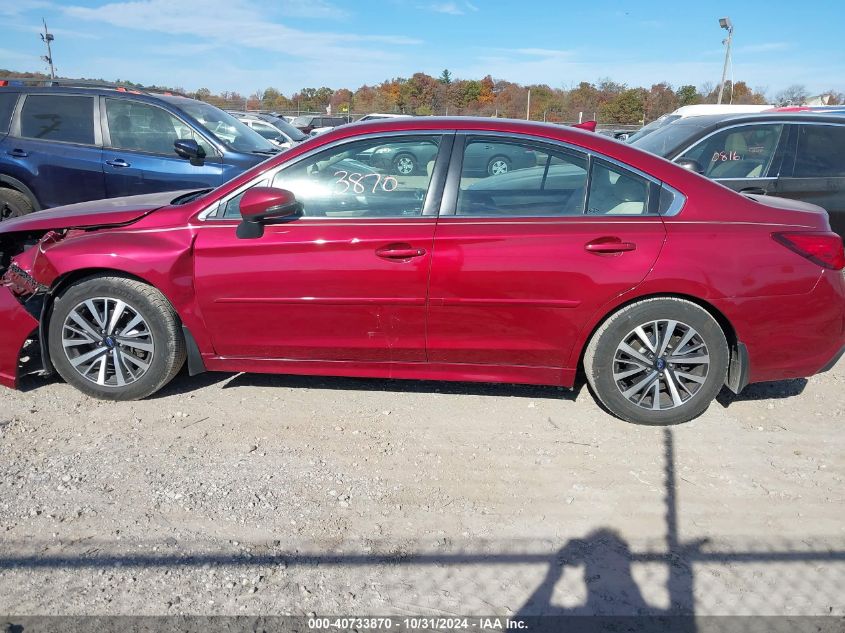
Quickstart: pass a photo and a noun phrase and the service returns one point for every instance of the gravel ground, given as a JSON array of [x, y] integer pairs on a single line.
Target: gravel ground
[[287, 495]]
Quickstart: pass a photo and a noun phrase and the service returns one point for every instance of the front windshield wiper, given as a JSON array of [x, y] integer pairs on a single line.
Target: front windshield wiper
[[190, 197], [266, 151]]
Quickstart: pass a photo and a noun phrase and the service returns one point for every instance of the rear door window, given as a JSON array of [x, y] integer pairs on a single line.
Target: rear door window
[[520, 179], [8, 100], [820, 152], [67, 118], [744, 151], [616, 191]]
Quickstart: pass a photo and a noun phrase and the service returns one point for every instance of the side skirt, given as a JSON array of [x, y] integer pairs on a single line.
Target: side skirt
[[555, 376]]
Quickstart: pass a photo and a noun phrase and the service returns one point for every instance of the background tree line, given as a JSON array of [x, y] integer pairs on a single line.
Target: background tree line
[[606, 100]]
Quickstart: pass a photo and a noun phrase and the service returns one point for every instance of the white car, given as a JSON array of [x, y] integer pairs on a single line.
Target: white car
[[378, 115], [268, 131]]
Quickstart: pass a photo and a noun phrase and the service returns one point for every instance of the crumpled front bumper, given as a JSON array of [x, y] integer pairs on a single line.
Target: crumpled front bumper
[[16, 326]]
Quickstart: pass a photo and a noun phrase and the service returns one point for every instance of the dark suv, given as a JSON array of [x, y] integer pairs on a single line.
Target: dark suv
[[308, 122], [61, 145], [791, 155]]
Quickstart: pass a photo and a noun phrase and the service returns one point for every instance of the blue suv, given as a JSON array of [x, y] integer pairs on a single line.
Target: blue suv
[[60, 145]]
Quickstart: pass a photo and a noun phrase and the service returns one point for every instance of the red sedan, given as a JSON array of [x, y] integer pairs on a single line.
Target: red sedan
[[660, 285]]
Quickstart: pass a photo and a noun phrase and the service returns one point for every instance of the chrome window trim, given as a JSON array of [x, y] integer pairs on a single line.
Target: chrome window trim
[[271, 174], [589, 154], [570, 146]]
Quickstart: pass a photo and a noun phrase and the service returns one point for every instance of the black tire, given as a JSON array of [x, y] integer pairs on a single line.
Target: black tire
[[405, 164], [14, 204], [498, 165], [162, 328], [604, 348]]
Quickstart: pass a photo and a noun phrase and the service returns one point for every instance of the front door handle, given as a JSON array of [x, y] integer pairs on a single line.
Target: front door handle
[[118, 162], [756, 191], [18, 153], [399, 252], [609, 245]]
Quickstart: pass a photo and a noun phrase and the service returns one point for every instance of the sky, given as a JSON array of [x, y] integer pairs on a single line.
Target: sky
[[248, 45]]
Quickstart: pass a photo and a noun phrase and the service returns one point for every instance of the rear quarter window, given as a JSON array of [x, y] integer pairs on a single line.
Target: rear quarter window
[[7, 106], [67, 118]]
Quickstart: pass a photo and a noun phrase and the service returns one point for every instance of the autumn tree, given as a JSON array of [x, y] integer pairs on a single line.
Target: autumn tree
[[687, 95], [627, 108], [795, 94], [660, 100]]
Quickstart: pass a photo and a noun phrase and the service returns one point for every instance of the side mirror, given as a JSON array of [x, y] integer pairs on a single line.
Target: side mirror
[[266, 205], [691, 165], [190, 149]]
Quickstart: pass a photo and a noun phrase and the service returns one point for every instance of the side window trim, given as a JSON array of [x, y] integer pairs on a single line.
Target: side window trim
[[433, 194], [16, 127]]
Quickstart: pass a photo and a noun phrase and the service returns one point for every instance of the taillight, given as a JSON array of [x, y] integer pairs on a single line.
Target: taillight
[[824, 249]]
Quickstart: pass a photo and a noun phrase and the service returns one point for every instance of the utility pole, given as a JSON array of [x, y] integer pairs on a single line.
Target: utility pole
[[47, 37], [726, 24], [528, 107]]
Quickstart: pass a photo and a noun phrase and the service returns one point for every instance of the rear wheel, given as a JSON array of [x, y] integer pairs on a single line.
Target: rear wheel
[[14, 204], [657, 361], [115, 338]]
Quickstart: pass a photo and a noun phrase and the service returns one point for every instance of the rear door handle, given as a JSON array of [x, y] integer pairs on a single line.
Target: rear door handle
[[118, 162], [18, 153], [399, 251], [757, 191], [609, 245]]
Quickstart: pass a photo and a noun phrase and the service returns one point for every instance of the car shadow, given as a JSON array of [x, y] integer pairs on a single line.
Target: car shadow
[[763, 391], [404, 386]]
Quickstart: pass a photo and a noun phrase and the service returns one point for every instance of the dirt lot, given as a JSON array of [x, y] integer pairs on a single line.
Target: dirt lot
[[284, 495]]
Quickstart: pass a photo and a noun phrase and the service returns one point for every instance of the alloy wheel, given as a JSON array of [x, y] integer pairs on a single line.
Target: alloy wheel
[[405, 165], [107, 341], [661, 364], [498, 167]]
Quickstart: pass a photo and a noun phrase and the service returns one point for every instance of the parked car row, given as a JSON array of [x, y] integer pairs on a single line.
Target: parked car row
[[61, 145]]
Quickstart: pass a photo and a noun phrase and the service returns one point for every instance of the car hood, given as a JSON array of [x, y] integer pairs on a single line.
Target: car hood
[[109, 212]]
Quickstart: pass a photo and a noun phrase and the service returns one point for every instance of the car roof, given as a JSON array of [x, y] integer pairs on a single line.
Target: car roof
[[106, 91], [716, 121]]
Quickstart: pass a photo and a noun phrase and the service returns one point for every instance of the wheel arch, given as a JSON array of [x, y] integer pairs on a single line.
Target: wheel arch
[[738, 363], [69, 278]]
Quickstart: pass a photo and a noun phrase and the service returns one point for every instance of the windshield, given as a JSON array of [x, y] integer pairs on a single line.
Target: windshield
[[658, 123], [667, 140], [285, 127], [227, 128]]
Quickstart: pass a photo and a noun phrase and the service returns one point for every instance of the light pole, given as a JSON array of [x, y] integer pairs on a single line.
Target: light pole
[[726, 24], [47, 37]]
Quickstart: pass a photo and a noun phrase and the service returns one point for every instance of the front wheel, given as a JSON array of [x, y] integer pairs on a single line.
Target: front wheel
[[498, 165], [657, 361], [115, 338], [404, 165], [14, 204]]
